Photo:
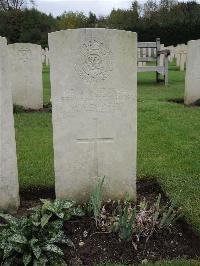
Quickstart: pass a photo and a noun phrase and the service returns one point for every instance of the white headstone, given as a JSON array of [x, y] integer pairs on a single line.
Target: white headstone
[[9, 187], [43, 56], [144, 50], [46, 56], [94, 97], [178, 58], [182, 61], [25, 63], [149, 52], [162, 56], [192, 79], [172, 53]]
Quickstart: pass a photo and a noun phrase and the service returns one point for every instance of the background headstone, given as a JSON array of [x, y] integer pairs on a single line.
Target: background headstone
[[178, 57], [25, 64], [182, 61], [9, 187], [94, 98], [162, 56], [46, 56], [43, 56], [192, 79]]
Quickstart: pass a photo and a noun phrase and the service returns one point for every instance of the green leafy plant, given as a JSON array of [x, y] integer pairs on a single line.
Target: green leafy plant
[[158, 217], [197, 102], [95, 202], [62, 209], [36, 239], [127, 218], [17, 109], [170, 214], [48, 107]]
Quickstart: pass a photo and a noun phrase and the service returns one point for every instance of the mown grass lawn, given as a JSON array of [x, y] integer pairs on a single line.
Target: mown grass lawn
[[168, 142]]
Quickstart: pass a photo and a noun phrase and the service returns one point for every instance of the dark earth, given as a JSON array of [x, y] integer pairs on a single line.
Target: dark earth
[[47, 108], [181, 101], [93, 246]]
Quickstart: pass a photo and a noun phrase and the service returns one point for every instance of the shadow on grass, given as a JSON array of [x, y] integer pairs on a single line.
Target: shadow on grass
[[181, 101]]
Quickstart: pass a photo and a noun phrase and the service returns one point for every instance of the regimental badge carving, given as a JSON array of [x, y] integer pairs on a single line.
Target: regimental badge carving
[[24, 54], [95, 61]]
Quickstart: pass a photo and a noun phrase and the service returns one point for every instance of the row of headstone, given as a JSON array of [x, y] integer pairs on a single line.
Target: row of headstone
[[45, 56], [150, 52], [179, 53], [94, 90], [145, 52]]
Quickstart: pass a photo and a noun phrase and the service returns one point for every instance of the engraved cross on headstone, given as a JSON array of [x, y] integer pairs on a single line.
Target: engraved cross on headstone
[[95, 140]]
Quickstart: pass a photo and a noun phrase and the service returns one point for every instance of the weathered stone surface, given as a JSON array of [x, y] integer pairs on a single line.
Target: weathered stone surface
[[46, 56], [94, 97], [162, 56], [25, 63], [192, 79], [9, 187], [183, 57], [43, 56]]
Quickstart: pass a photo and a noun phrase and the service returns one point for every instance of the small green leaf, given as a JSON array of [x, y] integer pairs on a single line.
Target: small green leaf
[[67, 204], [61, 238], [36, 251], [9, 219], [40, 262], [9, 261], [36, 223], [45, 206], [7, 250], [45, 219], [57, 225], [18, 239], [27, 259], [57, 237], [67, 216], [18, 248], [68, 241], [78, 212], [60, 215], [54, 249], [3, 225], [33, 241]]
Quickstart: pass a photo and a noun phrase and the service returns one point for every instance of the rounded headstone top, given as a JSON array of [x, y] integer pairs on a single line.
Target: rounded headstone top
[[3, 40], [25, 45], [68, 31]]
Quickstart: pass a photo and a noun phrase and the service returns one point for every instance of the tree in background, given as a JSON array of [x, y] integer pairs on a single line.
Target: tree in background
[[35, 26], [150, 8], [124, 19], [174, 22], [92, 20], [29, 25], [72, 20], [14, 4]]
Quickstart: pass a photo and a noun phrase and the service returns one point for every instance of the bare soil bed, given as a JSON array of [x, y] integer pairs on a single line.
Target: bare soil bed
[[93, 246]]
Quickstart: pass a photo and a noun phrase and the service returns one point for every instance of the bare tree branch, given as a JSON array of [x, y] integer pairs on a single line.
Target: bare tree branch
[[14, 4]]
